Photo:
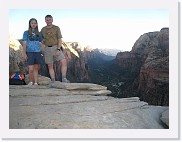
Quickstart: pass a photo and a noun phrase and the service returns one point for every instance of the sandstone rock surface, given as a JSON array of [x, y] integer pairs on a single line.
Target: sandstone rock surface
[[46, 107]]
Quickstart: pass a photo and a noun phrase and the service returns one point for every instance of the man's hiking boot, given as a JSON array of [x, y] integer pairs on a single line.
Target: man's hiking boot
[[65, 80]]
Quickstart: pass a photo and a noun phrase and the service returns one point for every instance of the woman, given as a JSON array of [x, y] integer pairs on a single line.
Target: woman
[[31, 50]]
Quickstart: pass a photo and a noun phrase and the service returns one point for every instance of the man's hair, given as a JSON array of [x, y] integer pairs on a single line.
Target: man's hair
[[48, 16]]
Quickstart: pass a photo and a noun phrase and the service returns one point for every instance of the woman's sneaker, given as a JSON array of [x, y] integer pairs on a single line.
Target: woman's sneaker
[[30, 83], [35, 84]]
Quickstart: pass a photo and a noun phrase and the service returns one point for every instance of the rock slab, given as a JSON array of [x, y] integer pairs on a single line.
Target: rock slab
[[46, 107]]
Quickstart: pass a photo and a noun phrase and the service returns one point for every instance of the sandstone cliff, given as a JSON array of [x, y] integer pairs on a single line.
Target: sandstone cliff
[[16, 62], [148, 61]]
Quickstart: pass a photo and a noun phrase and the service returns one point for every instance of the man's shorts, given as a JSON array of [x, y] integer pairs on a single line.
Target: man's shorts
[[34, 58], [50, 55]]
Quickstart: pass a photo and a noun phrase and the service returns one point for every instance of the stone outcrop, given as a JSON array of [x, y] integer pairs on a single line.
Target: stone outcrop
[[16, 62], [148, 61], [78, 68], [78, 106]]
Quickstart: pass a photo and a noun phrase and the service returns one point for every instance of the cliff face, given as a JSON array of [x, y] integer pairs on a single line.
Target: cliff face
[[78, 68], [16, 62], [149, 58], [128, 62]]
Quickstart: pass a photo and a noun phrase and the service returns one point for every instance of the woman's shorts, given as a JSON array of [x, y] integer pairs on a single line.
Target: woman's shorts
[[35, 58], [50, 55]]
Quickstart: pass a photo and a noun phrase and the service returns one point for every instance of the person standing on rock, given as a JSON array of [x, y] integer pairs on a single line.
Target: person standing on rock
[[52, 39], [31, 50]]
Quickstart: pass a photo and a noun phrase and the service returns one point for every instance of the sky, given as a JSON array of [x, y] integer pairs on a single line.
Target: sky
[[97, 28]]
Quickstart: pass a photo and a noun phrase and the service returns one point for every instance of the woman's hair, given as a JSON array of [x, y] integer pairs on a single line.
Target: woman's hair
[[30, 29]]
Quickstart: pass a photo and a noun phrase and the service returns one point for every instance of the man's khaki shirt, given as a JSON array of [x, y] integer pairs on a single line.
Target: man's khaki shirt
[[51, 35]]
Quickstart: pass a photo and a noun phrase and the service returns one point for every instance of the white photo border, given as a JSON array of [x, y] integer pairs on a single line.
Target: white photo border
[[171, 133]]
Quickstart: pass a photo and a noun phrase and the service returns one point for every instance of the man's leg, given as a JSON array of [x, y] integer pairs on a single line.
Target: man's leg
[[64, 67], [64, 70], [49, 60], [51, 72]]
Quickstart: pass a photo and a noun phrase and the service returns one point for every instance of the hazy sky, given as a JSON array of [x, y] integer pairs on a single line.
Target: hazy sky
[[98, 28]]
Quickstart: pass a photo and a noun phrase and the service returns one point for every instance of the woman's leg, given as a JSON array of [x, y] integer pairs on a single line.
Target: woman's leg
[[35, 73], [30, 71]]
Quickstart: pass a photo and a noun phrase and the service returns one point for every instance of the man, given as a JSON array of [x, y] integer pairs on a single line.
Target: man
[[52, 39]]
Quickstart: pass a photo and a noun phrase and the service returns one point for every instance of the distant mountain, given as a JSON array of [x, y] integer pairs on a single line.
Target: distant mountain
[[109, 52], [104, 54]]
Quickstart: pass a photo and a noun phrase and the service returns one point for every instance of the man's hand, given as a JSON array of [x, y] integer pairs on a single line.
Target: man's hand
[[57, 53]]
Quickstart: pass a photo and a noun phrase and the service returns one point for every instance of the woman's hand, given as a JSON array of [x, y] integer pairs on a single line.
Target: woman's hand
[[41, 44], [25, 56]]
